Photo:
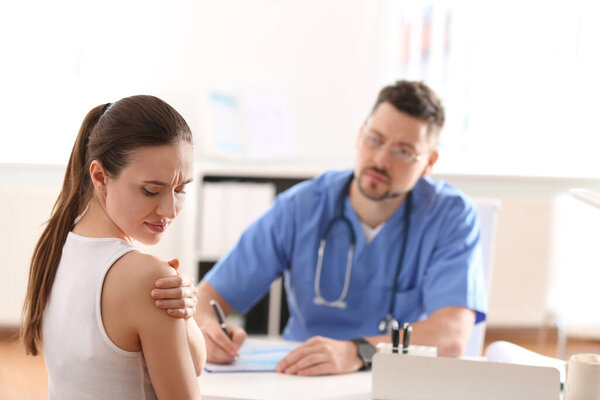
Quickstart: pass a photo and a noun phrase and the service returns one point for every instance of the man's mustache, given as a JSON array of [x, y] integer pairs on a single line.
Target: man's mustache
[[379, 171]]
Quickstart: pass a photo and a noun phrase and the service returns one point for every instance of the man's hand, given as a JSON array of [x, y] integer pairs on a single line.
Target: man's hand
[[321, 356], [219, 348], [176, 294]]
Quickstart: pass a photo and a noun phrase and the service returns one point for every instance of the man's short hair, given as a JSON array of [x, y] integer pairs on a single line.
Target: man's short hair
[[415, 99]]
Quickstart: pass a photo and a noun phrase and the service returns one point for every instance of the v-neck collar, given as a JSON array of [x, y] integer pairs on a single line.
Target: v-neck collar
[[361, 243], [371, 232]]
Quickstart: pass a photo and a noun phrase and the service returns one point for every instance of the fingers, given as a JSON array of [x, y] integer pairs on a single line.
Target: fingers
[[320, 356], [216, 354], [174, 281], [220, 349], [311, 363], [174, 263], [177, 296], [184, 302], [238, 336], [294, 356], [183, 307], [224, 342], [185, 313], [319, 369], [176, 293]]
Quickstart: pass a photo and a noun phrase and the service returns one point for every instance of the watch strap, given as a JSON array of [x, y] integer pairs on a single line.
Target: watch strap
[[365, 351]]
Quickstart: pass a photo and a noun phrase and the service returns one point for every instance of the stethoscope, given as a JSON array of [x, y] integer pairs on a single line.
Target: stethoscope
[[340, 302]]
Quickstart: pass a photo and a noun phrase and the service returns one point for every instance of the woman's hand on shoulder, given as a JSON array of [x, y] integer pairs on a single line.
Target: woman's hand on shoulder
[[163, 339], [131, 278], [176, 294]]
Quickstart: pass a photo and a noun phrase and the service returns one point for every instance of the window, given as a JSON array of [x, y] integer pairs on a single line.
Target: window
[[519, 81]]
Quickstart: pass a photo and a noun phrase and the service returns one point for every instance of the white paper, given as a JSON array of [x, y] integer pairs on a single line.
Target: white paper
[[507, 352], [255, 359], [587, 196]]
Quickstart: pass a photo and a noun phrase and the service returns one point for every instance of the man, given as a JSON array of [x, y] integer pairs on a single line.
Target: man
[[358, 248]]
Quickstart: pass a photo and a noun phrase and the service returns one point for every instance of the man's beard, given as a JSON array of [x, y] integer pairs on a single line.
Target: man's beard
[[385, 196]]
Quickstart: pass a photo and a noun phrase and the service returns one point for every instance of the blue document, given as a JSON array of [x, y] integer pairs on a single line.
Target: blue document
[[254, 359]]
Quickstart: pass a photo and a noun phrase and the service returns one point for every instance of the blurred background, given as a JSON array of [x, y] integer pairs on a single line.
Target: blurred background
[[275, 92]]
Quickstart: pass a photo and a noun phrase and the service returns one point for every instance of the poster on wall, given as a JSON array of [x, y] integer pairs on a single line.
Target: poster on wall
[[253, 125]]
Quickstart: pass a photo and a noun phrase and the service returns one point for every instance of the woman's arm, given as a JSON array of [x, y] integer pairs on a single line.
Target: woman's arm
[[197, 345], [187, 291], [163, 339]]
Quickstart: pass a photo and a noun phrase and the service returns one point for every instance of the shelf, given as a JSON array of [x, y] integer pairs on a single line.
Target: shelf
[[294, 168]]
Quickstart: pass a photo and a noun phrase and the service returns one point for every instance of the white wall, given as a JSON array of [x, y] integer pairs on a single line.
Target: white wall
[[24, 208], [545, 260], [67, 56], [330, 57], [575, 266], [323, 54], [64, 57]]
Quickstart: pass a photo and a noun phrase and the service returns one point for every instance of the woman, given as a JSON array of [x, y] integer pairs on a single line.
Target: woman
[[88, 295]]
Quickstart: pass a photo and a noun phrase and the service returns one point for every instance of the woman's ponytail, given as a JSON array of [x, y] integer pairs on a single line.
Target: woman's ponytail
[[71, 203]]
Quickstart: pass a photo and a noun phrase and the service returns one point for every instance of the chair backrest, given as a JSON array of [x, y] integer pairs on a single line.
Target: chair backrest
[[487, 210]]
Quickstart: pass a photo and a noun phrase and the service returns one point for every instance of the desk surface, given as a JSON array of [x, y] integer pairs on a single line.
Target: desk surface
[[271, 385]]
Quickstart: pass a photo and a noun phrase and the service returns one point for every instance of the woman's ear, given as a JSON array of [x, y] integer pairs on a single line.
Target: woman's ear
[[98, 176]]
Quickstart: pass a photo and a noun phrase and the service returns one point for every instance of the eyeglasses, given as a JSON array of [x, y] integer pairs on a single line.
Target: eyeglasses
[[400, 153]]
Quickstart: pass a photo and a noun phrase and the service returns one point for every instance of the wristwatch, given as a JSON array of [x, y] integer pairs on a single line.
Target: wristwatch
[[365, 351]]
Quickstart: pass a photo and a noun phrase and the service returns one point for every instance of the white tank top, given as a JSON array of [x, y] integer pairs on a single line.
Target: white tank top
[[82, 362]]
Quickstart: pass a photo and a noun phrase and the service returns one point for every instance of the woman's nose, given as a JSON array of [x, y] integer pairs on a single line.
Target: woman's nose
[[167, 207]]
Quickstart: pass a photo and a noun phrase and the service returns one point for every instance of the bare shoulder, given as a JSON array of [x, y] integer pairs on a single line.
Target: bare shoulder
[[144, 266], [133, 277], [126, 304]]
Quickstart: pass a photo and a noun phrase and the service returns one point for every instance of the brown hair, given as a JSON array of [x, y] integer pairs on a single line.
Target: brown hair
[[415, 99], [109, 133]]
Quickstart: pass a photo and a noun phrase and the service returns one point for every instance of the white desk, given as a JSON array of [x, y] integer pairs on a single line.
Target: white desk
[[271, 385]]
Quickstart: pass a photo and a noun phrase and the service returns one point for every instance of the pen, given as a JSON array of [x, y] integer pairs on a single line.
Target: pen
[[406, 337], [220, 317], [395, 336]]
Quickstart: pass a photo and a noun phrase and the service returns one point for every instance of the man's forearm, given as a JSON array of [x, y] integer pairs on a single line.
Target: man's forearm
[[204, 311], [203, 308]]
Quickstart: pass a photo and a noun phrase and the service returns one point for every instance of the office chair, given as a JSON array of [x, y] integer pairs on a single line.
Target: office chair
[[487, 210]]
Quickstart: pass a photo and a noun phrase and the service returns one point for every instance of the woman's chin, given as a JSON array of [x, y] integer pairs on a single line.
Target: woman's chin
[[149, 240]]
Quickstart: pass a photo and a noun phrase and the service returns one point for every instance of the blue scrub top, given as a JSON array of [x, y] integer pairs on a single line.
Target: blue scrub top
[[442, 267]]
